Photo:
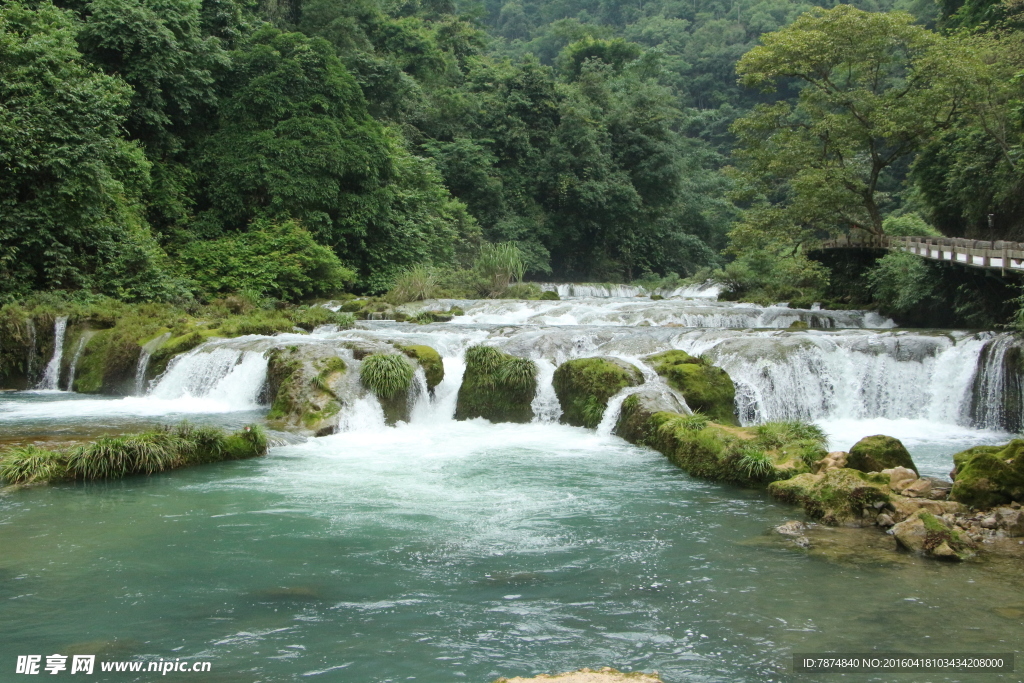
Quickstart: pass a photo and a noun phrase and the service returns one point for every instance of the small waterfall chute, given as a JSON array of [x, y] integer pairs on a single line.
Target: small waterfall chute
[[51, 374], [73, 367], [147, 352]]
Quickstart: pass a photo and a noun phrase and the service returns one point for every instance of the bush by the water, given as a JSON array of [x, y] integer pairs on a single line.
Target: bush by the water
[[113, 457]]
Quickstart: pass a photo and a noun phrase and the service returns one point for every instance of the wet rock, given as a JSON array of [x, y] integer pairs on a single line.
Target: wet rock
[[837, 497], [879, 452], [930, 536], [904, 508], [303, 384], [430, 360], [602, 675], [1010, 520], [584, 385], [900, 477], [833, 461], [989, 476], [496, 386], [919, 488], [706, 388], [791, 528], [989, 523], [884, 520], [635, 417]]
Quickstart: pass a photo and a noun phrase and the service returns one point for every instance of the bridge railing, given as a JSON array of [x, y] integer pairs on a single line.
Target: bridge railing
[[977, 253]]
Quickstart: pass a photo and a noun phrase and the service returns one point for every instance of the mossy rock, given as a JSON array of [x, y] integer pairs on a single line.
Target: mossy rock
[[706, 388], [302, 387], [925, 534], [430, 360], [583, 387], [496, 386], [988, 476], [634, 423], [879, 452], [550, 296], [836, 497], [798, 325]]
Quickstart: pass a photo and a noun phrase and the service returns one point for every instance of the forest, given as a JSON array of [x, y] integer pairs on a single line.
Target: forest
[[183, 150]]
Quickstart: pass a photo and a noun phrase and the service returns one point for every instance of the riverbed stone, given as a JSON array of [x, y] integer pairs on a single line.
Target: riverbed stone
[[902, 507], [988, 476], [707, 389], [836, 497], [900, 477], [602, 675], [496, 386], [879, 452], [584, 385], [928, 535]]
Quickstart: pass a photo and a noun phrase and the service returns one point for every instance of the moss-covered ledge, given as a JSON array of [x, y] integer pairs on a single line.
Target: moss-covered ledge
[[114, 457], [707, 389], [584, 385], [496, 386]]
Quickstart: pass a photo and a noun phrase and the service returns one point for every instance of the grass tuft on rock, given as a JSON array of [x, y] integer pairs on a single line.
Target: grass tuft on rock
[[496, 386], [386, 375]]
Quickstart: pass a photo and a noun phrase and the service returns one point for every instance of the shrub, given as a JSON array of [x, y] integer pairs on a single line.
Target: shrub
[[499, 265], [386, 375], [416, 284]]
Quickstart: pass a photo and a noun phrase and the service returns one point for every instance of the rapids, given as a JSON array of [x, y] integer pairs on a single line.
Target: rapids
[[440, 550]]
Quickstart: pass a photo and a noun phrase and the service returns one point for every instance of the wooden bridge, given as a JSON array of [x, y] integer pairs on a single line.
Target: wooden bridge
[[1000, 255]]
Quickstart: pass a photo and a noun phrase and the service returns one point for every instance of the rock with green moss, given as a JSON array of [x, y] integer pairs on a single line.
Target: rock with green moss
[[743, 455], [389, 377], [430, 360], [837, 497], [988, 476], [634, 422], [706, 388], [879, 452], [304, 385], [926, 534], [584, 385], [496, 386]]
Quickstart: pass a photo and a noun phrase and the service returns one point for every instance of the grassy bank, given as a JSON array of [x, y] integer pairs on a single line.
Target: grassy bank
[[114, 457]]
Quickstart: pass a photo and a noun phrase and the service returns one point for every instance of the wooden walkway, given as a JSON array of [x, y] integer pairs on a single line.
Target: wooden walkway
[[1002, 256]]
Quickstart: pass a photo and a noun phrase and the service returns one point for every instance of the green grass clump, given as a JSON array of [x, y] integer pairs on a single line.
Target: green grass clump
[[312, 317], [777, 434], [386, 375], [113, 457], [518, 374], [756, 464], [486, 358], [416, 284]]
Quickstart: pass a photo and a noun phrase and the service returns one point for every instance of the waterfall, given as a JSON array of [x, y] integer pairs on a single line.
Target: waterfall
[[228, 374], [996, 398], [75, 358], [147, 352], [546, 407], [51, 374]]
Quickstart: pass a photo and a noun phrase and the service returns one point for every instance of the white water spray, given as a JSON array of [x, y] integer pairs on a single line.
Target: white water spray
[[51, 375]]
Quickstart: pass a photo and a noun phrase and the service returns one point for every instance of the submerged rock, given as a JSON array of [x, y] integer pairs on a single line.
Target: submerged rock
[[838, 497], [929, 535], [987, 476], [496, 386], [706, 388], [877, 453], [584, 385], [602, 675]]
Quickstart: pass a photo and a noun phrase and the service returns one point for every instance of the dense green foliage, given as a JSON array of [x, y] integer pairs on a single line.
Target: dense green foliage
[[170, 150]]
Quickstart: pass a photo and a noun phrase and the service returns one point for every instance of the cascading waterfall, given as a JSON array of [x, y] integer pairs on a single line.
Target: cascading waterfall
[[997, 396], [82, 341], [51, 374], [147, 352], [546, 407], [707, 290], [231, 375]]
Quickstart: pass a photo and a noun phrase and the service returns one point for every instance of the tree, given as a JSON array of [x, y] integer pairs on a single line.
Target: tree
[[70, 186], [874, 88]]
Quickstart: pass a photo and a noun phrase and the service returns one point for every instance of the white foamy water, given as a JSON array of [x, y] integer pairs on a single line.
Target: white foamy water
[[642, 312], [51, 374]]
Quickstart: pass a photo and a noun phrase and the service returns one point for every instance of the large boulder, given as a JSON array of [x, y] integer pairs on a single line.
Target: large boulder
[[926, 534], [837, 497], [303, 387], [706, 388], [584, 385], [496, 386], [877, 453], [637, 410], [987, 476]]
